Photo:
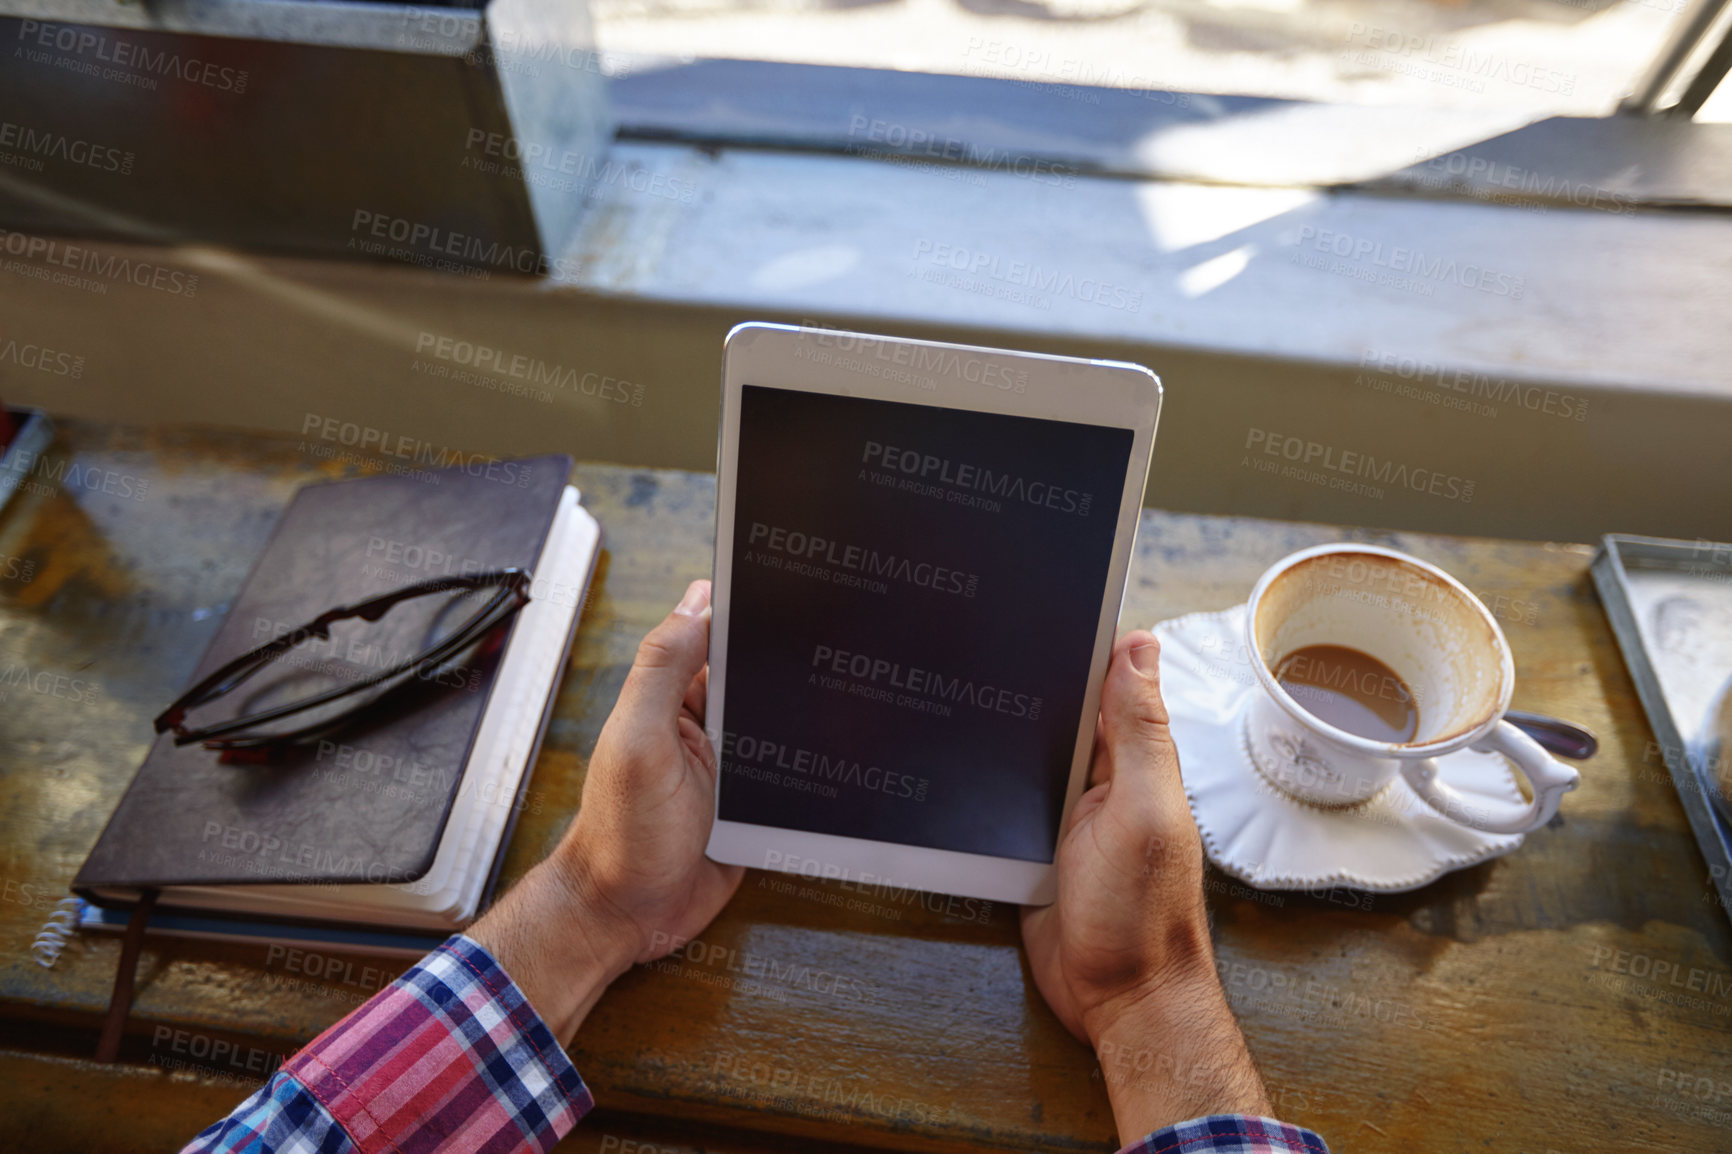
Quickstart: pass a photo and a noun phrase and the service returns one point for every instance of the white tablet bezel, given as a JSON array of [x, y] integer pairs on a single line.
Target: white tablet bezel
[[1111, 393]]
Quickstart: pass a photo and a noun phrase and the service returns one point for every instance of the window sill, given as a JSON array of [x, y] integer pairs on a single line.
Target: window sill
[[1619, 322]]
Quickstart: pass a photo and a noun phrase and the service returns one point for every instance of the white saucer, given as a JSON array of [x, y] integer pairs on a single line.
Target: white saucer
[[1271, 840]]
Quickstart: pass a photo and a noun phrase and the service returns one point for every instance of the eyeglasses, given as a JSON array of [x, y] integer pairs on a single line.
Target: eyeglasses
[[430, 625]]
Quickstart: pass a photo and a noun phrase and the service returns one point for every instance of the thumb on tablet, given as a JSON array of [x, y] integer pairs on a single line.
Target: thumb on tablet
[[1130, 700], [670, 656], [1133, 716]]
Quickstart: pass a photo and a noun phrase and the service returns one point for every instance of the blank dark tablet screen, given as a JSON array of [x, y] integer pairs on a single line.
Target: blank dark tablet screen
[[915, 593]]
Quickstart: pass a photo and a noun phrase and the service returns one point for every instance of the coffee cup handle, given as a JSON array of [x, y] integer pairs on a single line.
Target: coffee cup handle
[[1549, 779]]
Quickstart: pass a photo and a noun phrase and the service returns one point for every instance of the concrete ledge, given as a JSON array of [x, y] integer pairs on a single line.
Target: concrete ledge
[[1594, 401]]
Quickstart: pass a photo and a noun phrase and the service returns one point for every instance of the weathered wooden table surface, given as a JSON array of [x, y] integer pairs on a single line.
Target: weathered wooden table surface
[[1575, 996]]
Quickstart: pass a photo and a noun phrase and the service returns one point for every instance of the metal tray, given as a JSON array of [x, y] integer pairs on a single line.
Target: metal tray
[[32, 431], [1670, 604]]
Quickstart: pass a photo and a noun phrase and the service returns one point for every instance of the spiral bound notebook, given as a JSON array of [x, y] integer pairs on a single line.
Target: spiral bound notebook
[[398, 821]]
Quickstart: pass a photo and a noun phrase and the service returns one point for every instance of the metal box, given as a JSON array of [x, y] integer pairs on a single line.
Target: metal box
[[1670, 605], [447, 137]]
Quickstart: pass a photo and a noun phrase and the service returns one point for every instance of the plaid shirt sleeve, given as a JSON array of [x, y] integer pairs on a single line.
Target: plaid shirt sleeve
[[1229, 1134], [450, 1056]]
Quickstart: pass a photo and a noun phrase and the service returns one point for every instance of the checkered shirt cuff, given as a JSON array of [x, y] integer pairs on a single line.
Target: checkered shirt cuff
[[1229, 1134], [450, 1056]]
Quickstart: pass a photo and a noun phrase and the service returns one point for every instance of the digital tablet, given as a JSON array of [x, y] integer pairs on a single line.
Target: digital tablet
[[921, 552]]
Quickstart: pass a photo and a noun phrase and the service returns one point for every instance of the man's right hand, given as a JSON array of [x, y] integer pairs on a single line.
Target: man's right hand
[[1123, 956]]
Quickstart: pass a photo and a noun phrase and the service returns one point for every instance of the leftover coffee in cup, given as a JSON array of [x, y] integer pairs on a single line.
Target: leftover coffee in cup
[[1371, 663]]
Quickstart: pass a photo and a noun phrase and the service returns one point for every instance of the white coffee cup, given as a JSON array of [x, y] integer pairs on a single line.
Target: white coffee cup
[[1433, 634]]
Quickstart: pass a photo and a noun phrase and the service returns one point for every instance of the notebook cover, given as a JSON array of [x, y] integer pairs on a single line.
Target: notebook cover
[[368, 804]]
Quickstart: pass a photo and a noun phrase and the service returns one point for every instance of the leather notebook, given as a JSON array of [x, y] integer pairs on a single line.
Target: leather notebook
[[370, 802]]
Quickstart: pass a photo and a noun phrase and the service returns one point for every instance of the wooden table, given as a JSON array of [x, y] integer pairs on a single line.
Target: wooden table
[[1510, 1007]]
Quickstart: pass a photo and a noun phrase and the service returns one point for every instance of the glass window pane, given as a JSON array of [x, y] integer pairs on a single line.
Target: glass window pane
[[1545, 56]]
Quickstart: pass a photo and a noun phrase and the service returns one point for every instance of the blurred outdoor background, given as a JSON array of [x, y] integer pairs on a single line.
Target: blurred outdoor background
[[1572, 57]]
